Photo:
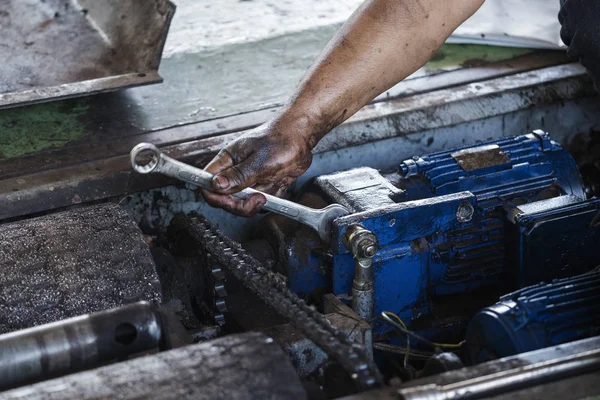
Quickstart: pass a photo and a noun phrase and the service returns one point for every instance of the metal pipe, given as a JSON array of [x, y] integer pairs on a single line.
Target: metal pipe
[[507, 380], [62, 347], [363, 246]]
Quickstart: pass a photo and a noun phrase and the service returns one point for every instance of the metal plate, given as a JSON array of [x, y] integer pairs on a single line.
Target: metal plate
[[480, 157], [67, 48]]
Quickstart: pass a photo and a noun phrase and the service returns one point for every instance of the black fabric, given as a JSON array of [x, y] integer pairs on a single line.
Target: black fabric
[[580, 20]]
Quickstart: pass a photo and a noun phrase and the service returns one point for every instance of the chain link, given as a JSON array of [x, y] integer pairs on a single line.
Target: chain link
[[266, 284]]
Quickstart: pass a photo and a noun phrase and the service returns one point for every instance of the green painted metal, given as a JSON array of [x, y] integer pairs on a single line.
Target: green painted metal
[[471, 55], [40, 127]]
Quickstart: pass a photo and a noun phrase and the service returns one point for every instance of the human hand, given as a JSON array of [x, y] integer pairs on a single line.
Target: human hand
[[268, 158]]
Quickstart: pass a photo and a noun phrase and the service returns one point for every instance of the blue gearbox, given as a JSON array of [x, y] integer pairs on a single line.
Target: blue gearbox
[[512, 212]]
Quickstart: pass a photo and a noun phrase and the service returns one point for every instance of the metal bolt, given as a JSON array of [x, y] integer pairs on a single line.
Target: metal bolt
[[465, 212], [360, 242], [369, 249]]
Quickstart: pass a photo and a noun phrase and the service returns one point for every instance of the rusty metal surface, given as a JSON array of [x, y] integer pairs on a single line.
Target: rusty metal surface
[[480, 157], [66, 48]]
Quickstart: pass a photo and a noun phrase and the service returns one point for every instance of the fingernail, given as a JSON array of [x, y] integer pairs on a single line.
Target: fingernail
[[221, 181]]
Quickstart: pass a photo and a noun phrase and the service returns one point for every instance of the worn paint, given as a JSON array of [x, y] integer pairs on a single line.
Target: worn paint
[[41, 127]]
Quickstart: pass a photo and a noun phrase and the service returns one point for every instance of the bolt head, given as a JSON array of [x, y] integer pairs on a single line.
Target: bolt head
[[370, 250]]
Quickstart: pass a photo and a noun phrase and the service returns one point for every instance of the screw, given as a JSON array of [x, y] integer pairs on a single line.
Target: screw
[[366, 248], [465, 212]]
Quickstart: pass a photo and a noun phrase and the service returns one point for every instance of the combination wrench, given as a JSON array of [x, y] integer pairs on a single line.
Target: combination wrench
[[146, 158]]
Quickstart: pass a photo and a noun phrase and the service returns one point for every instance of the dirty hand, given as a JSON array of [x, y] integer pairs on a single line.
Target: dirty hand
[[268, 158]]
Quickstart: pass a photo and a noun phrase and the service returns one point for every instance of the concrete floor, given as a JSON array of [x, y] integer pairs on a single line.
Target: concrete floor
[[201, 25], [235, 56]]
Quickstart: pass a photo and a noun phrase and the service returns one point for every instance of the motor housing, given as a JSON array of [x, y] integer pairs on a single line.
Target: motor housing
[[535, 317]]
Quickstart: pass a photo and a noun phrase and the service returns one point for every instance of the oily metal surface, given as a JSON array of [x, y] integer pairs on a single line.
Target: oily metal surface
[[275, 293], [46, 44], [84, 342], [72, 263], [245, 366]]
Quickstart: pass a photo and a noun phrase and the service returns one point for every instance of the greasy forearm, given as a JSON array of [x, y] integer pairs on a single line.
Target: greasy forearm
[[382, 43]]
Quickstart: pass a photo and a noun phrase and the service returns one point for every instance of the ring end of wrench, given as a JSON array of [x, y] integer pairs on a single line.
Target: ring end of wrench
[[147, 150]]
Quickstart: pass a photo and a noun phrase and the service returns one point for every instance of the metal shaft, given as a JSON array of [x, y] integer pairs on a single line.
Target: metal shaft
[[363, 246], [55, 349], [319, 220], [507, 380]]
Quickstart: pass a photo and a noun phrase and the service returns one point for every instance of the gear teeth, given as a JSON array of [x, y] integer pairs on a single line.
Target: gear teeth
[[221, 306], [270, 287], [220, 319], [220, 293], [218, 273]]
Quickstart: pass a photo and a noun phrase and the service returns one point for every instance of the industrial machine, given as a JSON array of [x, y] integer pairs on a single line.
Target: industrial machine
[[459, 257], [436, 248], [485, 219]]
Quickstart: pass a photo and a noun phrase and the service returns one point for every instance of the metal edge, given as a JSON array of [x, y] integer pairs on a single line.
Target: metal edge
[[168, 19], [78, 89], [111, 177], [94, 149]]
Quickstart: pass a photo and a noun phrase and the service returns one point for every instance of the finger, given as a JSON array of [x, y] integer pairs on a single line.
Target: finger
[[244, 208], [238, 177], [222, 161]]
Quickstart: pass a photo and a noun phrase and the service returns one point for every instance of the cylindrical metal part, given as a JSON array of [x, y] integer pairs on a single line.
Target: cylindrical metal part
[[363, 303], [363, 274], [241, 366], [504, 381], [62, 347], [363, 246]]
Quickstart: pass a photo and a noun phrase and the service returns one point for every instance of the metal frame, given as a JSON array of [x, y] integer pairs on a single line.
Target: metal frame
[[61, 49]]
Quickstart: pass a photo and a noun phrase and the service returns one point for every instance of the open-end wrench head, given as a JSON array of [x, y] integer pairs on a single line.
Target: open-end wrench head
[[150, 155], [330, 213]]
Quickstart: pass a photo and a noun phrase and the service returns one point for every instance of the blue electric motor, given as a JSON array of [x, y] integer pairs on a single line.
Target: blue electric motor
[[535, 317], [511, 212]]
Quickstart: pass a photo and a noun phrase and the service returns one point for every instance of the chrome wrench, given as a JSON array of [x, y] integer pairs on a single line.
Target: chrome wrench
[[155, 161]]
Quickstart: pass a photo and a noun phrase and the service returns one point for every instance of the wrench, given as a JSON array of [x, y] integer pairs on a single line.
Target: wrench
[[319, 220]]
